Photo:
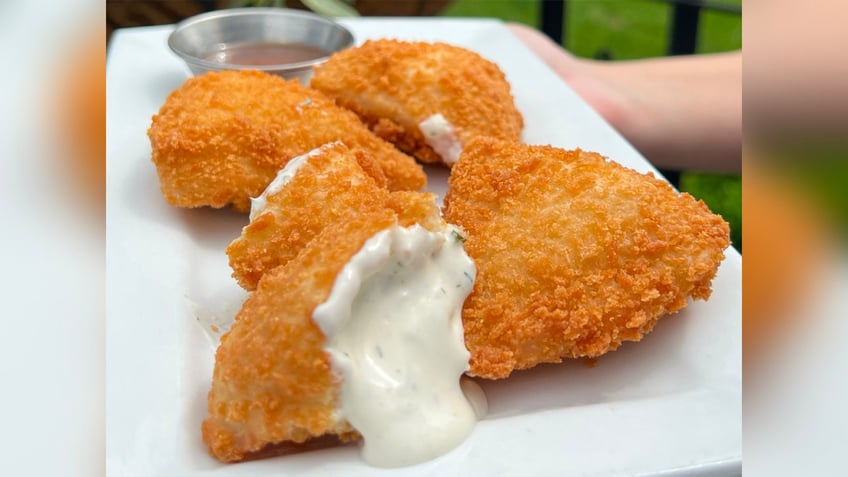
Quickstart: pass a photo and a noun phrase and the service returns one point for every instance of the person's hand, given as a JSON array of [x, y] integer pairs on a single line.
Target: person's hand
[[681, 112]]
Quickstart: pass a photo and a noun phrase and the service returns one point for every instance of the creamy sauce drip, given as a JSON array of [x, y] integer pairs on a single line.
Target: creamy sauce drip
[[439, 135], [284, 175], [475, 395], [394, 334]]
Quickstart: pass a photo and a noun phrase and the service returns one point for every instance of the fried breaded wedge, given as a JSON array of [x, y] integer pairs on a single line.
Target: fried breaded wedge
[[272, 382], [221, 137], [330, 186], [400, 88], [575, 253]]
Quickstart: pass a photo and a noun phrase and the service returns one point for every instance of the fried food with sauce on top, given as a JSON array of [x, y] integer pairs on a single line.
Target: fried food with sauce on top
[[395, 86], [221, 137], [273, 391], [272, 382], [575, 253]]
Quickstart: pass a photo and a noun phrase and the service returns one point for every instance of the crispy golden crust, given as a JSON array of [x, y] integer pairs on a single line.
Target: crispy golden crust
[[394, 85], [416, 208], [273, 387], [272, 381], [329, 187], [575, 254], [221, 137]]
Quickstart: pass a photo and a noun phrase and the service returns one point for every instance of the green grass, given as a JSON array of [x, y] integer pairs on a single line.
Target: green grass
[[631, 29], [720, 31], [620, 29], [520, 11], [625, 29]]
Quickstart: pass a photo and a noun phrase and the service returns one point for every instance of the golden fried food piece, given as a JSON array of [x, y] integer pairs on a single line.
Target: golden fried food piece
[[272, 381], [221, 137], [575, 254], [395, 86], [330, 186]]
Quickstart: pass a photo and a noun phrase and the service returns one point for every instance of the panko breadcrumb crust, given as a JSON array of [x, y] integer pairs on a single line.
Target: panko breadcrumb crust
[[395, 85], [575, 253], [273, 388], [221, 137], [272, 381], [332, 185]]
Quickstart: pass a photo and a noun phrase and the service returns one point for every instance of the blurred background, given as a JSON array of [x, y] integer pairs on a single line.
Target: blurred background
[[599, 29]]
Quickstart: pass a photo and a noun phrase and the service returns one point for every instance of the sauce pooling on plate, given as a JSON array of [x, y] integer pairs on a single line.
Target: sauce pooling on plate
[[261, 53], [394, 334]]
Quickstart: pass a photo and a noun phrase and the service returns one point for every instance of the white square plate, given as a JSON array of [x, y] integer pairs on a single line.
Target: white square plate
[[670, 404]]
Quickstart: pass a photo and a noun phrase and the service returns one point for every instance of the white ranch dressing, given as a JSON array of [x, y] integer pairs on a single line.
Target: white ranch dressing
[[439, 135], [284, 175], [394, 334]]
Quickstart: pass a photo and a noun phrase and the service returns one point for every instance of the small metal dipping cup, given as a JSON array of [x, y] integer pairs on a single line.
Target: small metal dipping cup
[[198, 39]]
